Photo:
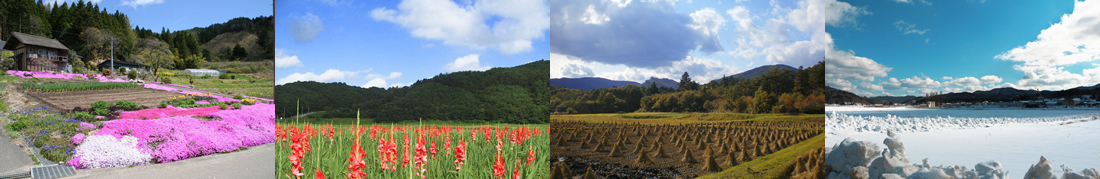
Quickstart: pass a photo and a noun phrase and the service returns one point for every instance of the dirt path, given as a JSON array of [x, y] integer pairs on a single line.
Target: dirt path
[[256, 162]]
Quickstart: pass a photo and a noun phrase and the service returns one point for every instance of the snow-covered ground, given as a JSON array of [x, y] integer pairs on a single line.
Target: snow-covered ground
[[1015, 138]]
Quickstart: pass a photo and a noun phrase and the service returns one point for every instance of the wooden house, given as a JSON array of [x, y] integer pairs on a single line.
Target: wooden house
[[129, 66], [36, 53]]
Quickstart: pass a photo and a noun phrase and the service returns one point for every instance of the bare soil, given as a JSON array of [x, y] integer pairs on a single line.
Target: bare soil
[[84, 99]]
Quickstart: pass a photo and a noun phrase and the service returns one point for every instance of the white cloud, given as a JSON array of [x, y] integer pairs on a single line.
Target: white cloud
[[328, 76], [377, 82], [465, 63], [707, 22], [306, 28], [562, 66], [840, 84], [947, 78], [512, 24], [869, 86], [909, 28], [964, 81], [991, 79], [282, 60], [136, 3], [592, 17], [1073, 40], [846, 65], [918, 82]]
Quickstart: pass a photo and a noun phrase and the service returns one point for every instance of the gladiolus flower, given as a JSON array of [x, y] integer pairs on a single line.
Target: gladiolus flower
[[319, 174], [447, 145], [460, 154], [433, 150], [421, 158], [499, 144], [498, 168], [514, 176], [530, 156]]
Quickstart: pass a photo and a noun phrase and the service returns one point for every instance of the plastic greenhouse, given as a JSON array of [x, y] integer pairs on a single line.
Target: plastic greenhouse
[[201, 72]]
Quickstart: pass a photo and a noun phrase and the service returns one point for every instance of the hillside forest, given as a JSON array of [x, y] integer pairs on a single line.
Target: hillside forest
[[777, 91], [501, 95], [90, 32]]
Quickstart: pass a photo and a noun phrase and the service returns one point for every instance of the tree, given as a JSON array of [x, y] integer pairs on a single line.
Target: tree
[[98, 42], [687, 84], [239, 52], [155, 53]]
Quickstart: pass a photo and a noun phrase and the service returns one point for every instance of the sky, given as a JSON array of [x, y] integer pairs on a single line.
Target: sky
[[181, 14], [634, 40], [395, 43], [914, 47]]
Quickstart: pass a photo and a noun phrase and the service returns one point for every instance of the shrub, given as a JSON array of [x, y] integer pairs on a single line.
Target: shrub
[[100, 105], [83, 116], [166, 80], [17, 125], [122, 70], [206, 76], [132, 74], [102, 112], [223, 106], [127, 105], [236, 105], [224, 76], [238, 97]]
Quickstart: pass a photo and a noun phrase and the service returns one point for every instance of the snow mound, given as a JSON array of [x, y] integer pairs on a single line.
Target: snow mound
[[861, 159], [859, 123]]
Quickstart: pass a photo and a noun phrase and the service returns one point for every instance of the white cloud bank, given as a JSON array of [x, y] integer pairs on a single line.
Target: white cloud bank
[[465, 63], [475, 25], [282, 60], [1073, 40]]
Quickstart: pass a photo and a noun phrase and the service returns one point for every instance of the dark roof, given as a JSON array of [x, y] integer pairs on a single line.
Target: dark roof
[[34, 40], [119, 63]]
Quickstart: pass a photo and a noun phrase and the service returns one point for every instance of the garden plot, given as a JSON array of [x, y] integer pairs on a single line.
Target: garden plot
[[69, 100]]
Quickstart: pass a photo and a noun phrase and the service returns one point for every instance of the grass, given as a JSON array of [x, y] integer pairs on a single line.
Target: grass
[[770, 166], [262, 87], [59, 87], [688, 118]]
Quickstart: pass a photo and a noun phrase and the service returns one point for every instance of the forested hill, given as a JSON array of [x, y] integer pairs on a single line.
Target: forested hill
[[88, 30], [512, 95]]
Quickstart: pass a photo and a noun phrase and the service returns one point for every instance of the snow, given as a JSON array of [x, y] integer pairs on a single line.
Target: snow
[[1016, 138]]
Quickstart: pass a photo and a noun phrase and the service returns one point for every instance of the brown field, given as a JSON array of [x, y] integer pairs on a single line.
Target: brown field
[[84, 99], [628, 150]]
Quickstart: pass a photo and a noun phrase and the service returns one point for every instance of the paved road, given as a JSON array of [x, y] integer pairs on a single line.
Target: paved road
[[13, 158], [256, 162]]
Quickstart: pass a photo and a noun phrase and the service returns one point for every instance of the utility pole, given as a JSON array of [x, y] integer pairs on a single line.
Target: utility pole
[[112, 57]]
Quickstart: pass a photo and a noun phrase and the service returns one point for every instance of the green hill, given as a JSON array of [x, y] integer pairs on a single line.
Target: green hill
[[511, 95]]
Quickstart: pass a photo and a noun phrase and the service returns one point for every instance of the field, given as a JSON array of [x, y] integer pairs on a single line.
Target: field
[[411, 150], [249, 85], [70, 99], [658, 145]]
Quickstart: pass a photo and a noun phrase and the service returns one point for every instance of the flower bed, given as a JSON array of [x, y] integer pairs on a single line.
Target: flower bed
[[167, 139]]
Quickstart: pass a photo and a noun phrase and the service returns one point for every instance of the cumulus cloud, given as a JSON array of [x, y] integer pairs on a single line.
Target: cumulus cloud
[[306, 28], [1073, 40], [911, 83], [991, 79], [328, 76], [774, 39], [909, 28], [135, 3], [658, 36], [376, 80], [964, 81], [465, 63], [846, 65], [869, 86], [282, 60], [701, 70], [507, 25]]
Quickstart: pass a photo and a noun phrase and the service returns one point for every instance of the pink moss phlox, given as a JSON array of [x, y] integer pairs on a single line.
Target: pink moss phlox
[[182, 137], [155, 113], [35, 74], [77, 139]]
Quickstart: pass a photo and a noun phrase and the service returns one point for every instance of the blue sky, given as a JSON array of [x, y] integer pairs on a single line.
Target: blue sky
[[635, 40], [181, 14], [395, 43], [893, 48]]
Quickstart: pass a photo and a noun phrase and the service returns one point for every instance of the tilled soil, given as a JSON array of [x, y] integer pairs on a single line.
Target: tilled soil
[[747, 140], [84, 99]]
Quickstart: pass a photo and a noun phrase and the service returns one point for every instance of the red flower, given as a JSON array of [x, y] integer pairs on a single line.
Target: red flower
[[319, 174], [421, 159], [530, 156], [356, 160], [460, 154], [498, 168], [433, 150], [447, 145], [514, 176], [500, 144], [404, 154]]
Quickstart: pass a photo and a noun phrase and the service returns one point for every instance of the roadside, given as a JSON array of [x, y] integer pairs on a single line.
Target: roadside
[[254, 162]]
